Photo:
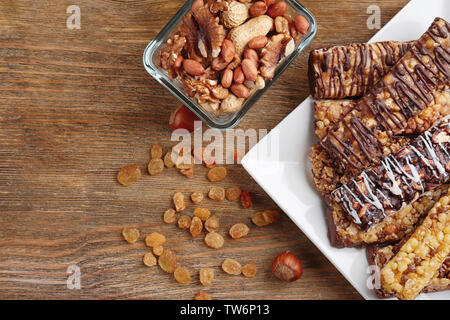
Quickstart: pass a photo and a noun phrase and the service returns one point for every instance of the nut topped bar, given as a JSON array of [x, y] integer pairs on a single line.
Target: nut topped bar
[[411, 86], [349, 71], [382, 190]]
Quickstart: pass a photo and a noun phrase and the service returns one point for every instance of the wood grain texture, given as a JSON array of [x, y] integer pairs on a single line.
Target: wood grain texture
[[76, 105]]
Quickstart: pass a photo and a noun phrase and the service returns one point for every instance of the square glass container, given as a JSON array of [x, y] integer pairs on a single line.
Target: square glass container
[[151, 56]]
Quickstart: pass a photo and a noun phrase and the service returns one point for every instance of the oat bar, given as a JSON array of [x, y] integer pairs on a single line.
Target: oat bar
[[400, 179], [379, 256], [343, 232], [421, 257], [411, 86], [348, 71]]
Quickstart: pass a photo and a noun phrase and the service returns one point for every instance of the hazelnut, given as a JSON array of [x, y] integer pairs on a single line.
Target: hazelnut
[[287, 267]]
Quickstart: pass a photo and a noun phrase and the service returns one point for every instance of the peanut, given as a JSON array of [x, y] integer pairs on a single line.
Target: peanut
[[220, 92], [301, 24], [236, 15], [258, 42], [219, 64], [277, 9], [240, 91], [238, 75], [227, 78], [193, 67], [228, 50], [251, 54], [249, 69], [258, 8]]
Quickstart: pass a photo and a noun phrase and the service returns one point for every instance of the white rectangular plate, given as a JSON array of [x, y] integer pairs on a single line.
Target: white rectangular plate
[[280, 161]]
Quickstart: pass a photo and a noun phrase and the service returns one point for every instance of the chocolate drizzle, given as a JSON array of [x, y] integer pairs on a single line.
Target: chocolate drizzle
[[399, 179], [409, 88]]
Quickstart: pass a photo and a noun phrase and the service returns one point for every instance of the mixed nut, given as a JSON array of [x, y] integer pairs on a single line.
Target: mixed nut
[[224, 50]]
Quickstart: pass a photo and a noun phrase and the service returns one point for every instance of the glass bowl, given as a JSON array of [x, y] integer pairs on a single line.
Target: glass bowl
[[151, 56]]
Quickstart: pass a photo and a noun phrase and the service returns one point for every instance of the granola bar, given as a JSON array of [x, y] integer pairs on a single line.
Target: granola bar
[[343, 232], [421, 257], [411, 86], [379, 256], [348, 71], [400, 179]]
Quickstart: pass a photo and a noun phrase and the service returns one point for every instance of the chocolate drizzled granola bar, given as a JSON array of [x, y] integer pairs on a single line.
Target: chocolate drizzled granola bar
[[400, 179], [348, 71], [411, 86]]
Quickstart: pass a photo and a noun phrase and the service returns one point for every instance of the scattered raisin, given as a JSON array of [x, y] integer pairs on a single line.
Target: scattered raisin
[[155, 239], [202, 213], [131, 235], [259, 220], [170, 216], [202, 295], [155, 166], [216, 193], [157, 251], [231, 266], [168, 261], [214, 240], [128, 175], [265, 218], [239, 230], [178, 201], [197, 197], [188, 173], [184, 222], [249, 270], [182, 275], [149, 259], [217, 174], [196, 226], [212, 224], [246, 200], [233, 193], [156, 151], [170, 159], [206, 276]]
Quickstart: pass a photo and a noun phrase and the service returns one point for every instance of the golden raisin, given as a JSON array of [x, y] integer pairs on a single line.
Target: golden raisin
[[231, 266], [149, 259], [259, 220], [170, 216], [182, 275], [265, 218], [128, 175], [249, 270], [216, 193], [217, 174], [184, 222], [202, 296], [212, 224], [233, 193], [156, 151], [157, 251], [196, 226], [239, 230], [202, 213], [168, 261], [131, 235], [197, 197], [178, 201], [214, 240], [206, 276], [170, 159], [155, 166], [155, 239]]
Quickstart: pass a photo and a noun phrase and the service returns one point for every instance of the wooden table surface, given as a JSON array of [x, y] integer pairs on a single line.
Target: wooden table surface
[[76, 105]]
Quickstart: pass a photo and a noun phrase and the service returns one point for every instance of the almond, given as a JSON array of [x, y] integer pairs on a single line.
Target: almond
[[258, 42], [277, 9], [301, 24], [258, 8], [240, 90], [249, 69], [228, 50], [238, 75], [193, 67], [227, 78]]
